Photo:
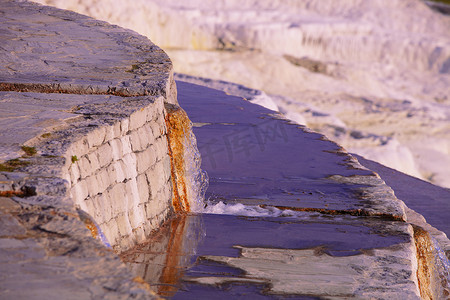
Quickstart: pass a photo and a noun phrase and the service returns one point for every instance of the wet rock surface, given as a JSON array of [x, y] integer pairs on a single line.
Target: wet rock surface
[[254, 156], [304, 256], [288, 215]]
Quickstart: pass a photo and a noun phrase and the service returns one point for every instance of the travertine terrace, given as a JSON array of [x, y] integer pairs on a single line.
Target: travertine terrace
[[87, 156]]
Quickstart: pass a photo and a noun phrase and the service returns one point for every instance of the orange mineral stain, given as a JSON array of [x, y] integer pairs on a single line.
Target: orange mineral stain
[[12, 193], [92, 228], [89, 223], [178, 130], [426, 273], [171, 274]]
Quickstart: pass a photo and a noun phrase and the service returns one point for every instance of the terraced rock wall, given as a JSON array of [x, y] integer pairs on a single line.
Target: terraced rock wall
[[83, 145], [120, 175]]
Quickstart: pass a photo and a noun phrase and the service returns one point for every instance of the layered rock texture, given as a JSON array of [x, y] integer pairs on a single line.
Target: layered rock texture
[[291, 214]]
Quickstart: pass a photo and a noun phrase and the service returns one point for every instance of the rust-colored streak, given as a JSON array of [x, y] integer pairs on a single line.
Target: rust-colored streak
[[89, 223], [171, 273], [178, 127], [57, 88], [12, 194], [425, 262], [432, 276], [92, 228]]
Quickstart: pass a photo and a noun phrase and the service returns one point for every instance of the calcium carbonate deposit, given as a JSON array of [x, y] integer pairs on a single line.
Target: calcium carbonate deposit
[[372, 75]]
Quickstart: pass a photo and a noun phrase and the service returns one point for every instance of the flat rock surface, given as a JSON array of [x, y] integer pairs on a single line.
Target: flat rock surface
[[306, 257], [256, 157], [48, 50], [24, 116]]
